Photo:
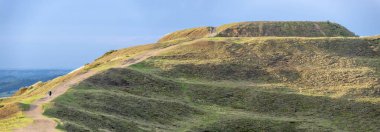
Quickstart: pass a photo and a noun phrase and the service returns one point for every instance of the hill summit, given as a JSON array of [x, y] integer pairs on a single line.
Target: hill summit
[[264, 28]]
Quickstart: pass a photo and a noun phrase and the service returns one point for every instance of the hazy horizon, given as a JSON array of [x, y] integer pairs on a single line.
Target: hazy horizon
[[66, 34]]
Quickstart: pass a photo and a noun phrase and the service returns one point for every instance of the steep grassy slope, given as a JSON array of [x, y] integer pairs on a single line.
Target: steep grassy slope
[[313, 65], [142, 101], [283, 29], [240, 84], [263, 28]]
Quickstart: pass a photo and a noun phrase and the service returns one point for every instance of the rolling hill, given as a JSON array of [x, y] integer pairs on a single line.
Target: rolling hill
[[248, 76]]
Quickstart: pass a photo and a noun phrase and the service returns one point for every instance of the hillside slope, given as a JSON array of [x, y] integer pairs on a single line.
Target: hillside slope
[[230, 83], [272, 84], [13, 109]]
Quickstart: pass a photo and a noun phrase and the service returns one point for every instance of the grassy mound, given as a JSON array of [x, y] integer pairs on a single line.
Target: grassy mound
[[263, 28], [283, 29]]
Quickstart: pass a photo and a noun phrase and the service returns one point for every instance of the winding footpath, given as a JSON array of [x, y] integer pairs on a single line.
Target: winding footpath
[[42, 123]]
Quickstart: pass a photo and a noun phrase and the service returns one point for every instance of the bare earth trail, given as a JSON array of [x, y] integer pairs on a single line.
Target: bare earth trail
[[42, 123]]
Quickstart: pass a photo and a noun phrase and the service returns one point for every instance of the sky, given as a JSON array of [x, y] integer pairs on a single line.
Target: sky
[[66, 34]]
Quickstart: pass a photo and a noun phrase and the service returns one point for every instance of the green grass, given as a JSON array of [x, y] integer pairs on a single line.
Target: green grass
[[324, 71], [24, 106], [230, 125], [301, 62], [148, 102], [136, 98]]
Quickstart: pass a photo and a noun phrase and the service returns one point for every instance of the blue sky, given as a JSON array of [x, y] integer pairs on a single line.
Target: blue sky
[[65, 34]]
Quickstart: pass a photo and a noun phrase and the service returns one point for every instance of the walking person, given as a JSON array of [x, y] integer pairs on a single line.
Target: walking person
[[50, 93]]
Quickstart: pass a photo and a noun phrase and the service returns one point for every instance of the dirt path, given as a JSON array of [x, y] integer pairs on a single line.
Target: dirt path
[[42, 123]]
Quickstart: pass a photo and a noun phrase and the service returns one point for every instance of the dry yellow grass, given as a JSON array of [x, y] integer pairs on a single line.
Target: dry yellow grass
[[11, 117], [192, 33], [16, 121]]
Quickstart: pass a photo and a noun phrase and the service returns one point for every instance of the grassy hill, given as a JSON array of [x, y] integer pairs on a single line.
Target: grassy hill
[[273, 84], [227, 83], [264, 28], [283, 29]]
